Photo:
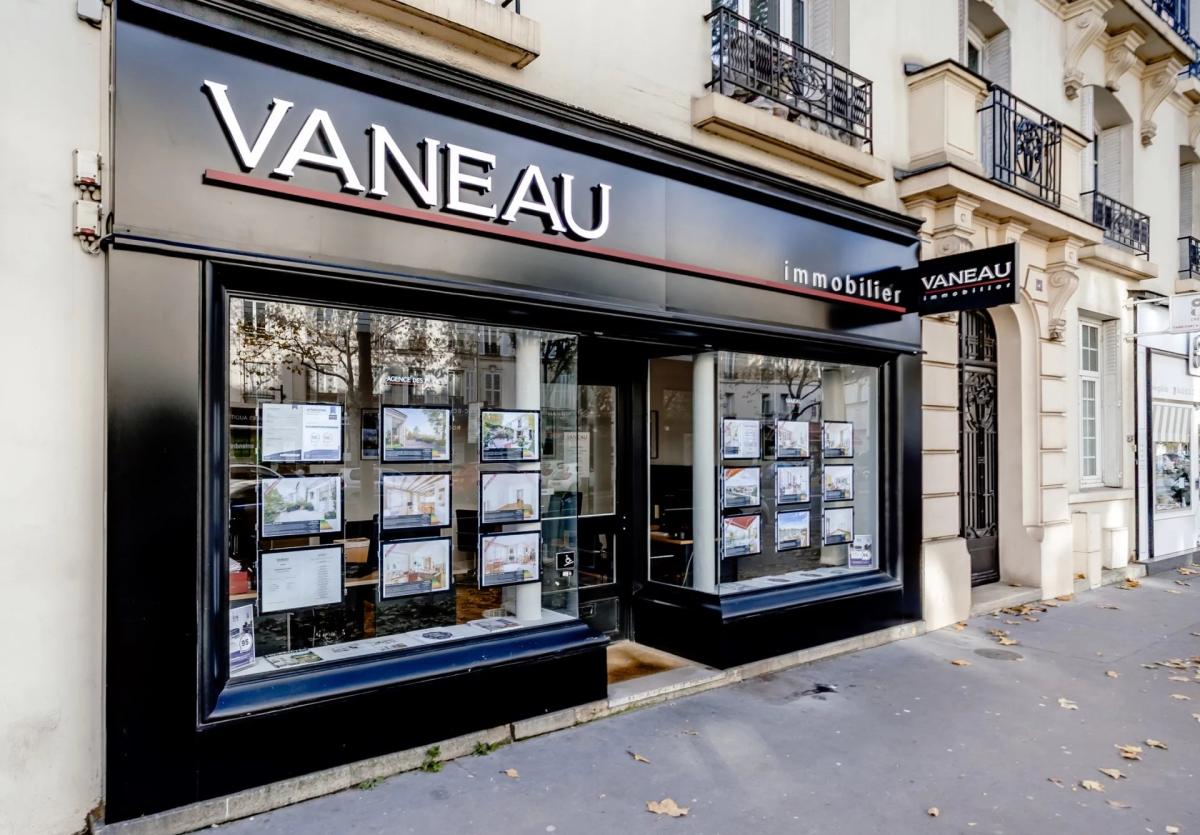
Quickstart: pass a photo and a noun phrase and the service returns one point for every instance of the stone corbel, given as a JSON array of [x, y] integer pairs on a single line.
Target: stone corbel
[[1157, 84], [1062, 271], [954, 225], [1120, 56], [1085, 23]]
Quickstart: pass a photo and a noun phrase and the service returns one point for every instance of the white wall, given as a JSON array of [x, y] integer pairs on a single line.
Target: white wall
[[51, 427]]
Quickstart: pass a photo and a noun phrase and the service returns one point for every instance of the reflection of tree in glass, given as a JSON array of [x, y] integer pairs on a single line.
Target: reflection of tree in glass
[[801, 380]]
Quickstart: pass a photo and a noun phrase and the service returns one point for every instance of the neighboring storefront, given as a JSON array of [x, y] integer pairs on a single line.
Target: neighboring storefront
[[1168, 398], [421, 390]]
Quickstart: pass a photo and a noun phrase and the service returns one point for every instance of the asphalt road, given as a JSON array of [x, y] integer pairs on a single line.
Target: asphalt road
[[905, 731]]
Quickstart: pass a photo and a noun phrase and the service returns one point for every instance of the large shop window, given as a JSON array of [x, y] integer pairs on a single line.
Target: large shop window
[[394, 482], [1172, 432], [764, 471]]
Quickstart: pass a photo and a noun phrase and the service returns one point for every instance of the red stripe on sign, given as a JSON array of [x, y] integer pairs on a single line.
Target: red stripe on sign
[[365, 205]]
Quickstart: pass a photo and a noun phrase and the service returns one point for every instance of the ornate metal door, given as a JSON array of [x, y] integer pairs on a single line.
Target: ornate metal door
[[978, 410]]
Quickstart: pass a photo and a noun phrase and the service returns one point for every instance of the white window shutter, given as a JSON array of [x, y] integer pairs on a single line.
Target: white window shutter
[[1110, 163], [997, 58], [1186, 174], [1087, 109], [1112, 448], [820, 26]]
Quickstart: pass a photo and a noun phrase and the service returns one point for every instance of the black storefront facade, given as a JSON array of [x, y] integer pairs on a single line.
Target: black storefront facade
[[422, 389]]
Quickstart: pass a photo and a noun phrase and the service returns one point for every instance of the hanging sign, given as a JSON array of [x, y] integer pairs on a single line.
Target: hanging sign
[[966, 281], [1185, 313]]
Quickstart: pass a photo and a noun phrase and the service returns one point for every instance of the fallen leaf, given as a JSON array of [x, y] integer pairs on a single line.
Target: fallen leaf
[[1108, 606], [1091, 785], [1178, 678], [1111, 772], [1068, 704], [511, 772], [1130, 752], [1154, 743], [1194, 634], [1184, 570], [1116, 804], [666, 806], [1050, 603], [1149, 666], [1129, 583], [1006, 642], [1172, 830], [1112, 674], [1172, 591], [690, 732], [638, 757], [1066, 597], [933, 812], [998, 633], [1013, 622], [1080, 576], [1056, 781], [1032, 619], [1181, 697], [959, 662], [960, 626], [1196, 716], [1182, 583]]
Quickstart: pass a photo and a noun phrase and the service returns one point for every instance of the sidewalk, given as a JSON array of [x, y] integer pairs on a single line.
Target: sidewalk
[[904, 730]]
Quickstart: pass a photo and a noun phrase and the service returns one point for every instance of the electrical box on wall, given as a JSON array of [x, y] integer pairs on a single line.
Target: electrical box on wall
[[87, 169], [87, 219]]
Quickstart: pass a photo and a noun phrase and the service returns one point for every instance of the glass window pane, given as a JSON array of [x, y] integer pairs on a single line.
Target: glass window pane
[[595, 450], [367, 452]]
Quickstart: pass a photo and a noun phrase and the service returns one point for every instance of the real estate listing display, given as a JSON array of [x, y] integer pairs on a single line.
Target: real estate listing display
[[740, 438], [742, 487], [414, 500], [414, 566], [300, 505], [791, 530], [837, 525], [369, 435], [300, 578], [741, 536], [791, 439], [510, 497], [838, 483], [860, 552], [837, 439], [509, 435], [792, 483], [309, 433], [508, 558], [241, 636], [416, 433]]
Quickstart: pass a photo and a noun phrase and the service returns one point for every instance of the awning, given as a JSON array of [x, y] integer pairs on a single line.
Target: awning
[[1171, 424]]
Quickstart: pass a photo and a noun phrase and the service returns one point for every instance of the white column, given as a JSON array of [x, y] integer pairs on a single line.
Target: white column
[[525, 600], [704, 472]]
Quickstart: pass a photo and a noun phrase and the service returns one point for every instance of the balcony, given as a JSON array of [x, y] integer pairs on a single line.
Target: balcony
[[762, 68], [1122, 225], [1189, 258], [1174, 13], [1021, 146]]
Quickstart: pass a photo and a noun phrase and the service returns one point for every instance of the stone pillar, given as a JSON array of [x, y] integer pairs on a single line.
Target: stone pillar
[[704, 472], [525, 600]]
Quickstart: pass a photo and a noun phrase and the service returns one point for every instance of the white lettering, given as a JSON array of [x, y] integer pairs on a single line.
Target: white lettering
[[384, 148], [248, 155], [336, 159], [600, 208], [520, 200], [457, 180]]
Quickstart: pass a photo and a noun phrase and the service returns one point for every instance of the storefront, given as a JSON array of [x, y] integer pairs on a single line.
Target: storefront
[[1168, 399], [422, 389]]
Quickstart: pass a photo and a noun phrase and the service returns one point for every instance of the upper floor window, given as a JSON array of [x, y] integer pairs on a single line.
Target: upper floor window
[[783, 17], [1089, 403]]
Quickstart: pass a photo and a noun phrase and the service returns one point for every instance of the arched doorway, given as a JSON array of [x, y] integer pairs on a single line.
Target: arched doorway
[[978, 441]]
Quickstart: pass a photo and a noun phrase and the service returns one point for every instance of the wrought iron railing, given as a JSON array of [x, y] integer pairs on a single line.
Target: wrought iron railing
[[1189, 257], [504, 4], [1123, 225], [1175, 13], [1021, 146], [756, 65]]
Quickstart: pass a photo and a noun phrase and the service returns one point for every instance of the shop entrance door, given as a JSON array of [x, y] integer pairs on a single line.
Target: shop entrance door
[[978, 420], [611, 456]]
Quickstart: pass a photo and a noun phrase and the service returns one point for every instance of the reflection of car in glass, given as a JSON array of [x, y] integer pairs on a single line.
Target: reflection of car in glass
[[243, 510]]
